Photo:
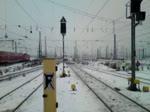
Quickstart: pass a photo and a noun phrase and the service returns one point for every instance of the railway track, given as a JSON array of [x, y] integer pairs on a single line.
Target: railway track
[[121, 75], [113, 100], [21, 103], [20, 94], [16, 74], [145, 73], [19, 87]]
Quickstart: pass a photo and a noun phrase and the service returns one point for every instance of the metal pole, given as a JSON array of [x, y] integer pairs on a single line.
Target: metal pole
[[97, 54], [133, 52], [107, 51], [92, 52], [143, 53], [40, 46], [15, 47], [115, 49], [26, 49], [139, 53], [100, 52], [13, 42], [45, 47], [63, 53]]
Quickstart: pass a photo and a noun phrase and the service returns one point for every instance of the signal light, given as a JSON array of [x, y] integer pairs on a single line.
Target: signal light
[[140, 16], [135, 6]]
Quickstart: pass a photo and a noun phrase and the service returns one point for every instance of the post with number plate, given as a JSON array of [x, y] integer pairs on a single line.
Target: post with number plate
[[49, 88]]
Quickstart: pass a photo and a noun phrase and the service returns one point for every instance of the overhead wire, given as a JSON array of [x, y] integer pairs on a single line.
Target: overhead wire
[[142, 30], [82, 12], [28, 14], [95, 15], [77, 11], [34, 3], [111, 33], [39, 12], [125, 26], [13, 32]]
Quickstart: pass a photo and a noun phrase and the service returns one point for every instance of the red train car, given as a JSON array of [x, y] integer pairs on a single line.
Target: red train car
[[26, 57], [10, 57]]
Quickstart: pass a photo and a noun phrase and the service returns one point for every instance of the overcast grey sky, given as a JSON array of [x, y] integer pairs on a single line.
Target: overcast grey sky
[[86, 20]]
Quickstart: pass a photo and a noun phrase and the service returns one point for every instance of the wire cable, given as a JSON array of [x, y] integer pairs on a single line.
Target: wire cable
[[77, 11], [28, 14], [96, 15]]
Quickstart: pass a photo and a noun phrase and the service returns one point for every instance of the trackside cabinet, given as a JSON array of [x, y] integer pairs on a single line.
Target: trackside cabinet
[[49, 85]]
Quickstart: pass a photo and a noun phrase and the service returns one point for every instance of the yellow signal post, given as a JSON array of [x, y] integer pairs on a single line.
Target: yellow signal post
[[49, 89]]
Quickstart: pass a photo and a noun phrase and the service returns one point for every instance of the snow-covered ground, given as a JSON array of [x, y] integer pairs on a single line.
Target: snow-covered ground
[[8, 85], [81, 100], [68, 100], [14, 69], [140, 97]]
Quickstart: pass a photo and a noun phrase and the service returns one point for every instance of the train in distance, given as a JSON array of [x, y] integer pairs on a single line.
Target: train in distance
[[11, 57]]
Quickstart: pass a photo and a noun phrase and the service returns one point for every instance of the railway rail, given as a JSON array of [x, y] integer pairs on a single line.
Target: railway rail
[[100, 89], [19, 87], [16, 74], [21, 103], [145, 73], [121, 75], [20, 94]]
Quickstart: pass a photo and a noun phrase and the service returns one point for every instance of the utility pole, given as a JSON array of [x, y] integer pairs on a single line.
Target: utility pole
[[40, 46], [26, 49], [15, 47], [92, 51], [75, 51], [139, 54], [55, 53], [123, 52], [97, 54], [143, 53], [115, 49], [126, 53], [45, 47], [107, 51], [100, 52]]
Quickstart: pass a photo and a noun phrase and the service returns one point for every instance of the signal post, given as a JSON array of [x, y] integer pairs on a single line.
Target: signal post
[[63, 32], [136, 16], [49, 87]]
